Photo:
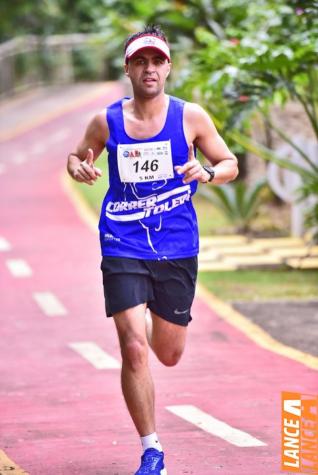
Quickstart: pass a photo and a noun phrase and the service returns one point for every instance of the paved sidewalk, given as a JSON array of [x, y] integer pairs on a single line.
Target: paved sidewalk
[[42, 105], [240, 252]]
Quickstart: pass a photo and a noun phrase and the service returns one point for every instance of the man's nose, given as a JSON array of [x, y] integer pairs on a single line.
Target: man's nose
[[149, 67]]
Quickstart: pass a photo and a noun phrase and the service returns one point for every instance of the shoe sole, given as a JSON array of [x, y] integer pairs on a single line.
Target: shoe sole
[[163, 472]]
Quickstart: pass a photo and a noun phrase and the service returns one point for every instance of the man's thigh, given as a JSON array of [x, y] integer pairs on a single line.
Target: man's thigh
[[167, 286], [174, 288], [130, 324], [126, 284], [167, 336]]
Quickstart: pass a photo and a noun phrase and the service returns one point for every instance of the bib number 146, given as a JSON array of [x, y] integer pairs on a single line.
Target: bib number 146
[[147, 165], [147, 161]]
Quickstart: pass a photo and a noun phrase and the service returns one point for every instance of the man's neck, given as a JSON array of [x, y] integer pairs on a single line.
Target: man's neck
[[147, 108]]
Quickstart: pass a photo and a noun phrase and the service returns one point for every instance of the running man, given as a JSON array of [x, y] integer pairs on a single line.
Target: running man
[[148, 226]]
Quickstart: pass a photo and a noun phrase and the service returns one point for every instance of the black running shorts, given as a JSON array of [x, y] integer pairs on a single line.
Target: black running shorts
[[166, 286]]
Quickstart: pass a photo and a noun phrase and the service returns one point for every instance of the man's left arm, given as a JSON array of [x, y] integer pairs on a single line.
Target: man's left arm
[[202, 132]]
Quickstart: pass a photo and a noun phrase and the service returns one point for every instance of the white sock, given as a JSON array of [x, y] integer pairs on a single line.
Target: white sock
[[151, 441]]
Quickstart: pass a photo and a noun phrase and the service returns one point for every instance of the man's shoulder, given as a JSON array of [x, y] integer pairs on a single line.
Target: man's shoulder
[[196, 118], [99, 118], [98, 125], [194, 107], [189, 107], [193, 111], [118, 105], [177, 99]]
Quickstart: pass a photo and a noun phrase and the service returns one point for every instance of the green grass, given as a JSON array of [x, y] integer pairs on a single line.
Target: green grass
[[94, 194], [251, 285]]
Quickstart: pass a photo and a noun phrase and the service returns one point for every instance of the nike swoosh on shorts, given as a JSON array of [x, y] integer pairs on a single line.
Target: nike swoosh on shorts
[[178, 312]]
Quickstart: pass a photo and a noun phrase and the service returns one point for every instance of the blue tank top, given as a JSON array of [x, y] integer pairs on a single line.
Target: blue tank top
[[149, 213]]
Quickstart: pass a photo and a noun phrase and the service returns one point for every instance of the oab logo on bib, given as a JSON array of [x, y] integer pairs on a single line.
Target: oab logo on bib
[[149, 161]]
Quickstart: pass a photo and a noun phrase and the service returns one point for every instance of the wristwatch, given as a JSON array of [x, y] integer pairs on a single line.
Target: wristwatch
[[210, 171]]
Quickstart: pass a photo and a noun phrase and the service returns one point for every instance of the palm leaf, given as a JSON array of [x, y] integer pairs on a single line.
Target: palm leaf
[[240, 198], [253, 198], [238, 202], [218, 196]]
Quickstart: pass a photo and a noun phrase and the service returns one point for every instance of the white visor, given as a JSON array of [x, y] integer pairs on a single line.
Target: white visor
[[147, 41]]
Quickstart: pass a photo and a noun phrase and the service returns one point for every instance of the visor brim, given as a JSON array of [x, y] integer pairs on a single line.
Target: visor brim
[[145, 48]]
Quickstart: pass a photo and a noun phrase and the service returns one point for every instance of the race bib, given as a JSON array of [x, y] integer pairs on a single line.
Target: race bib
[[149, 161]]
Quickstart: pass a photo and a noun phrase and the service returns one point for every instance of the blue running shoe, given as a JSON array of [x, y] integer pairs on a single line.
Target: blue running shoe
[[152, 463]]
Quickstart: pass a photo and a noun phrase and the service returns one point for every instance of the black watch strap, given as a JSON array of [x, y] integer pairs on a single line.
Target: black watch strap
[[210, 171]]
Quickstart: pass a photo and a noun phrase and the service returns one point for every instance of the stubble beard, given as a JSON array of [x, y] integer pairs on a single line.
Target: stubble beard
[[147, 93]]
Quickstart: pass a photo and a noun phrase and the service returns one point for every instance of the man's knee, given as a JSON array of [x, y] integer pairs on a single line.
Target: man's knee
[[170, 358], [134, 350]]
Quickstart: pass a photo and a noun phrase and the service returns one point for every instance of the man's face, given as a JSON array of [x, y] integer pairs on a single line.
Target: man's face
[[148, 71]]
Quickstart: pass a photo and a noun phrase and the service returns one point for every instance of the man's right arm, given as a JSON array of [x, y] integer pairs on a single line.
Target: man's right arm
[[80, 164]]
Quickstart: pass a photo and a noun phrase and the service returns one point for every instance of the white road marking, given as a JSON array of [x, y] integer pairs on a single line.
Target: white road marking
[[49, 304], [19, 158], [59, 136], [95, 355], [19, 268], [4, 245], [214, 426], [38, 148]]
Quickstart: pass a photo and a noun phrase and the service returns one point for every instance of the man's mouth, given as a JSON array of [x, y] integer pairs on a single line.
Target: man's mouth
[[149, 80]]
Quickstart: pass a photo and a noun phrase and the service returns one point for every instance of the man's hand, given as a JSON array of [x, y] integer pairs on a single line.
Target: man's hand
[[85, 171], [193, 169]]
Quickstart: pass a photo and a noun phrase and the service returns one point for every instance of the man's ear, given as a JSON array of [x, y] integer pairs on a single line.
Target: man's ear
[[126, 69], [168, 72]]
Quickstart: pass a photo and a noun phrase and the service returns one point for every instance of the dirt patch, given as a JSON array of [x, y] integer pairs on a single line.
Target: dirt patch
[[292, 323]]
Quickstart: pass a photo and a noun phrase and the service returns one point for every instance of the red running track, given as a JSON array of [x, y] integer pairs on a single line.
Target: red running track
[[60, 415]]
